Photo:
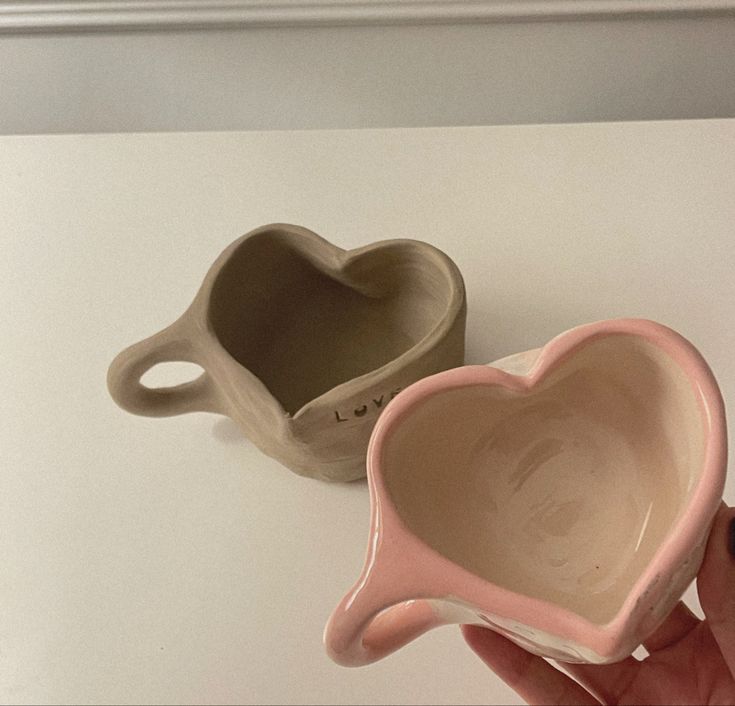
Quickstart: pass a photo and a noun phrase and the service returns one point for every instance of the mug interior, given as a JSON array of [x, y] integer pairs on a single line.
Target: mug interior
[[303, 329], [564, 492]]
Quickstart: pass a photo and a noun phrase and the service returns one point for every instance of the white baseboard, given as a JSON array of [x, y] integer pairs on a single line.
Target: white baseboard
[[161, 15]]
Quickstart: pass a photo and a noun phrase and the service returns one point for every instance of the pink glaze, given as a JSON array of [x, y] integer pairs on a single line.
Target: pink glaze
[[388, 605]]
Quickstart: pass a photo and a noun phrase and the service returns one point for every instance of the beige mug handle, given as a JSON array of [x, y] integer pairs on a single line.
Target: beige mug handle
[[171, 344]]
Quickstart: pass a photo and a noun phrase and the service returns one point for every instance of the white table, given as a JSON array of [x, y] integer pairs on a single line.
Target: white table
[[165, 561]]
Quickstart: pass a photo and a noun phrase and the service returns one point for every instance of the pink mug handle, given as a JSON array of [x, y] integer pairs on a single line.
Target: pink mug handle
[[377, 618], [354, 638]]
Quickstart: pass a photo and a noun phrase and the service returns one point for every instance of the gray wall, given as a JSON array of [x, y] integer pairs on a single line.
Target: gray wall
[[356, 76]]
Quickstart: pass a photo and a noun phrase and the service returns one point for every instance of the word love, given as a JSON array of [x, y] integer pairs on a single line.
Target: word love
[[375, 403]]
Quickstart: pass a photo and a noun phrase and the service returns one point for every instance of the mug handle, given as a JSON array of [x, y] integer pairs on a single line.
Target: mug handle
[[171, 344], [370, 623]]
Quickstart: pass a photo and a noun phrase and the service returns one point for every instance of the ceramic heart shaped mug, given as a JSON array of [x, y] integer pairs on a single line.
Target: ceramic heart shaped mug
[[561, 497], [303, 343]]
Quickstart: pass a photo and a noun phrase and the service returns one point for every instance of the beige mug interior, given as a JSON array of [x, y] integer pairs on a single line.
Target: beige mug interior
[[303, 330], [563, 493]]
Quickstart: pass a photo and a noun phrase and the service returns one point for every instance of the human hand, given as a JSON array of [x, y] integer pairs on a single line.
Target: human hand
[[690, 661]]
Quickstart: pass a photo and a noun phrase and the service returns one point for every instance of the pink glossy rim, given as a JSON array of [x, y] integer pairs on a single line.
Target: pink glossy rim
[[400, 567]]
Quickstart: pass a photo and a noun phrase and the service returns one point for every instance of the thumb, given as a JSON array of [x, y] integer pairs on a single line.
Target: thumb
[[716, 583]]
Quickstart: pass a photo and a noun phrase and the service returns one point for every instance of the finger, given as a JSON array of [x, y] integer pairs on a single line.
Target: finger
[[532, 677], [716, 583], [607, 682], [680, 622]]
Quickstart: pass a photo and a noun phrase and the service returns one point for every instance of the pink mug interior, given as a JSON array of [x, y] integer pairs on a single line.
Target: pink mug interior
[[565, 505]]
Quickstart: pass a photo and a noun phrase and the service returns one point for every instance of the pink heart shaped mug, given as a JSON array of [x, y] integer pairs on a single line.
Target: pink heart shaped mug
[[562, 497]]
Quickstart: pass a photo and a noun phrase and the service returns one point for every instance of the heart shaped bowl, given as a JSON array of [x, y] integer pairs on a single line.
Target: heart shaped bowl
[[562, 497], [303, 343]]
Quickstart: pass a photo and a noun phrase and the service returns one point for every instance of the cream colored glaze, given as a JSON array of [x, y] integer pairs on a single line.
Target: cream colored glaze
[[563, 493]]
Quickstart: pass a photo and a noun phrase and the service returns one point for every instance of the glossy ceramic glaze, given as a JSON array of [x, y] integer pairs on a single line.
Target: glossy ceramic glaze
[[561, 496], [304, 344]]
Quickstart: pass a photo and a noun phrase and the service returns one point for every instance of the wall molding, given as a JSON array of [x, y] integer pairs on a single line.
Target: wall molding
[[162, 15]]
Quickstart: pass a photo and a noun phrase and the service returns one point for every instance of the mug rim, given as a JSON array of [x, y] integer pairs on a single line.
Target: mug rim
[[321, 253], [442, 578]]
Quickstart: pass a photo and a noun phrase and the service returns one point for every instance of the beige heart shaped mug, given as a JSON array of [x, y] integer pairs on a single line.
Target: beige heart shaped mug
[[562, 497], [303, 343]]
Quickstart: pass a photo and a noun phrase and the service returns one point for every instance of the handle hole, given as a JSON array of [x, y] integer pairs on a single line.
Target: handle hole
[[399, 624], [170, 374]]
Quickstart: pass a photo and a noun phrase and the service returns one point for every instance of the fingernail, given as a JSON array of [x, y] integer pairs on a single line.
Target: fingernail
[[731, 537]]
